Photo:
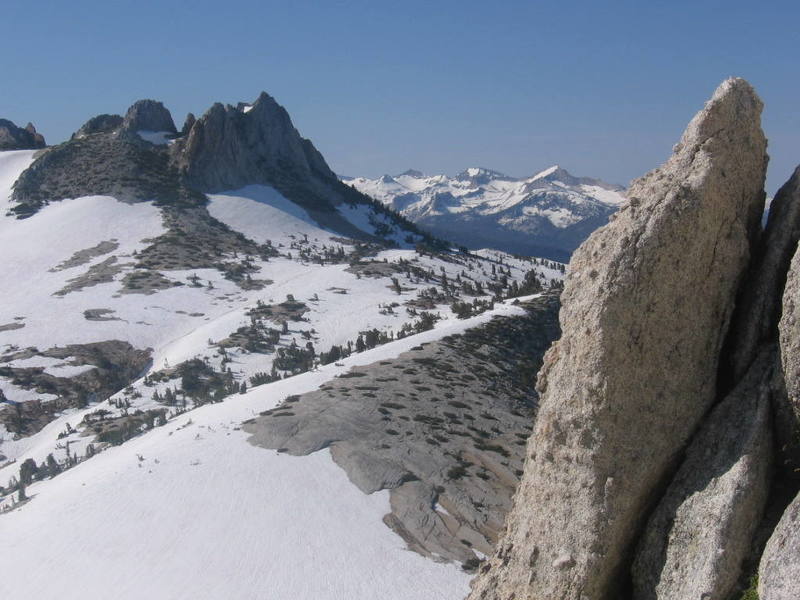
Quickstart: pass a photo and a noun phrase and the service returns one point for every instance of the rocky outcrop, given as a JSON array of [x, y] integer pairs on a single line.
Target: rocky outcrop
[[779, 571], [148, 115], [108, 164], [188, 124], [700, 533], [230, 147], [443, 427], [99, 124], [759, 307], [19, 138], [648, 296]]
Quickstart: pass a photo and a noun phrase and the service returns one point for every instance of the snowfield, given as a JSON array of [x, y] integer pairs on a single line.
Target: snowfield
[[192, 510], [185, 507]]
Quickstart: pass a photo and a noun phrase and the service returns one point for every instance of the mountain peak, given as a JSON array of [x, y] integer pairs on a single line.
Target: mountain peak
[[480, 175], [550, 173]]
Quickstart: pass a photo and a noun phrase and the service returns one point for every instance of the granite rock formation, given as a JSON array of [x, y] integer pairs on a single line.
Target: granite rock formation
[[699, 535], [779, 571], [443, 427], [648, 296]]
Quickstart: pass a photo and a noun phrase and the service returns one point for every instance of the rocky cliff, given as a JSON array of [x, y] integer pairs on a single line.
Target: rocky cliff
[[656, 415], [19, 138]]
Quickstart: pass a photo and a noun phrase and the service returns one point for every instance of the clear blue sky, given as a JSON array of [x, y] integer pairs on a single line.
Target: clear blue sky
[[602, 88]]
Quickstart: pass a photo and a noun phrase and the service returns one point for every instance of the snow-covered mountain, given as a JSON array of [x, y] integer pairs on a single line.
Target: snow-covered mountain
[[159, 287], [548, 214]]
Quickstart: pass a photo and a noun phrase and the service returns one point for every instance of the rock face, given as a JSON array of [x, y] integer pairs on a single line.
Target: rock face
[[700, 533], [779, 571], [148, 115], [790, 319], [19, 138], [230, 147], [648, 296], [98, 124], [759, 307]]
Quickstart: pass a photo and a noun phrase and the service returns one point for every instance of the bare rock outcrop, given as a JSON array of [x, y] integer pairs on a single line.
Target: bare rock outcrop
[[19, 138], [99, 124], [148, 115], [230, 147], [443, 427], [759, 307], [700, 533], [779, 571], [648, 296]]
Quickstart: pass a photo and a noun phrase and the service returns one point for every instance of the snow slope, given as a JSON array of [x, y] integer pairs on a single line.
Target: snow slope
[[191, 510], [192, 317], [551, 210]]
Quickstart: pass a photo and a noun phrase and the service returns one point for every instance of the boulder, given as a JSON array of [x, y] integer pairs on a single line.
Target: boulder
[[646, 306], [700, 533], [779, 570]]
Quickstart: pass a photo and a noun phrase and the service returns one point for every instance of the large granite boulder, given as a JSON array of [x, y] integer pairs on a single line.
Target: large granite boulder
[[700, 533], [646, 306], [779, 570], [19, 138]]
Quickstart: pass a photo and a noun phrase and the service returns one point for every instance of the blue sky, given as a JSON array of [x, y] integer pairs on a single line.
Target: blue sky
[[602, 88]]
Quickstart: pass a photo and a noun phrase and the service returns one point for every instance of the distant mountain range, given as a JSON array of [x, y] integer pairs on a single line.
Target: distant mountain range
[[548, 214]]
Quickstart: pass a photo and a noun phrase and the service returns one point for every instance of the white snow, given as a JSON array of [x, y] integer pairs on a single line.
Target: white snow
[[158, 138], [545, 173], [427, 196], [192, 510]]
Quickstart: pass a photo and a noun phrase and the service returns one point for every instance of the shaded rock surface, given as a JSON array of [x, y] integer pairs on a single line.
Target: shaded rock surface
[[700, 533], [790, 320], [19, 138], [779, 571], [759, 307], [648, 296], [442, 426]]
